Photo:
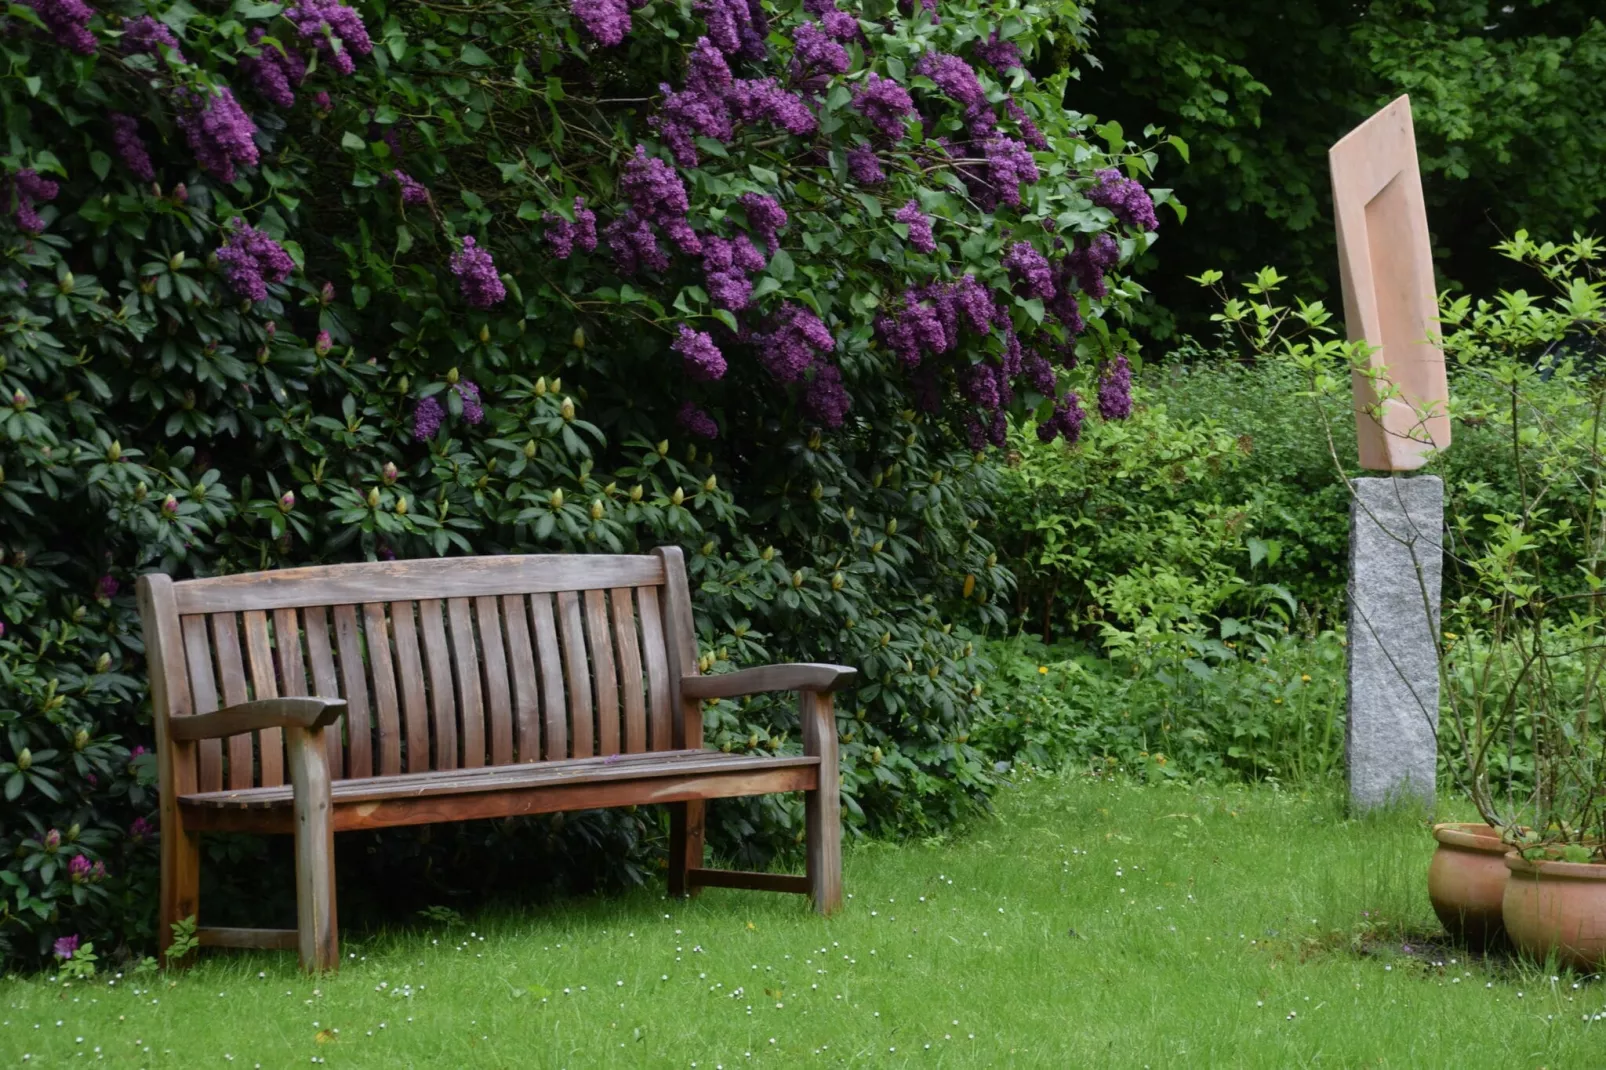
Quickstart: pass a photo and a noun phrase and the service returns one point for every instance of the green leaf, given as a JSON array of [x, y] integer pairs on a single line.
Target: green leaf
[[1034, 309], [100, 163], [474, 56], [554, 88], [781, 265], [726, 318], [351, 141], [764, 175]]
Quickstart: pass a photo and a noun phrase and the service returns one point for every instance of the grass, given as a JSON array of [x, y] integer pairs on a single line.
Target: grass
[[1087, 924]]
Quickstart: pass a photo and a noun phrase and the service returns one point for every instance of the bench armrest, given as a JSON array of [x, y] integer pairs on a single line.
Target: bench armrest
[[800, 677], [311, 713]]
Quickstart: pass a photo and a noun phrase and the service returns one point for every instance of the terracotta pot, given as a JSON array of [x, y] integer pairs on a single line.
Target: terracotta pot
[[1557, 906], [1467, 881]]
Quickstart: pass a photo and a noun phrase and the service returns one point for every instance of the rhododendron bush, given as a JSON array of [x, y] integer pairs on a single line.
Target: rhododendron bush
[[307, 282]]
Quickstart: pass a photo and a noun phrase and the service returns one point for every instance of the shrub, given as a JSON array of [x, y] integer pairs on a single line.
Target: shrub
[[282, 285]]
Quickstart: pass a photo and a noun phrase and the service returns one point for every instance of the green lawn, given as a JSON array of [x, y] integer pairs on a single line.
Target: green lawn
[[1087, 924]]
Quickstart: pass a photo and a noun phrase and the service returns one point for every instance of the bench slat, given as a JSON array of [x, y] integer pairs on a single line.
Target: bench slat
[[409, 676], [226, 650], [325, 684], [390, 581], [603, 671], [546, 648], [521, 663], [203, 692], [442, 703], [661, 736], [582, 735], [470, 695], [493, 664], [259, 653], [631, 685], [287, 656]]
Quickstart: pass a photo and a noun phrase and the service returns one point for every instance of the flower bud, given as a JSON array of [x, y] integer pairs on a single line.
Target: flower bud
[[114, 452], [566, 410], [326, 293], [677, 497], [596, 509], [170, 505], [848, 516], [25, 762], [556, 499], [53, 837], [970, 586], [147, 285], [708, 548], [540, 387], [181, 192], [876, 546], [557, 385], [322, 344], [272, 329], [611, 489], [992, 560], [797, 578], [80, 739], [663, 448], [67, 283], [388, 473], [373, 498], [19, 400], [886, 637], [876, 476], [140, 491], [710, 483], [836, 581], [578, 339], [768, 553], [175, 261], [814, 441], [401, 505], [875, 756], [452, 377], [103, 663], [892, 526], [816, 492], [635, 493], [287, 501], [485, 332]]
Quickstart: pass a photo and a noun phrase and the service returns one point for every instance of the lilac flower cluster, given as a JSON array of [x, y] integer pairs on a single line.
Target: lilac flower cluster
[[816, 52], [606, 20], [712, 103], [919, 328], [885, 103], [1126, 197], [958, 82], [699, 355], [251, 260], [468, 392], [790, 349], [840, 25], [28, 189], [1029, 132], [1066, 420], [564, 235], [737, 27], [1039, 374], [696, 421], [275, 71], [825, 398], [332, 28], [130, 148], [1115, 389], [217, 129], [1030, 269], [633, 244], [147, 35], [1089, 264], [764, 100], [920, 237], [415, 192], [765, 216], [864, 167], [68, 23], [476, 275], [727, 264], [655, 192], [1002, 56], [1009, 163], [657, 198], [427, 417]]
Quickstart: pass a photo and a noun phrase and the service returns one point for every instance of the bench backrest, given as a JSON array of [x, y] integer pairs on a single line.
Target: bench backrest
[[444, 664]]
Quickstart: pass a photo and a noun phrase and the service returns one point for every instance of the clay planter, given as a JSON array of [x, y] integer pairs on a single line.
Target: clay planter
[[1558, 906], [1467, 881]]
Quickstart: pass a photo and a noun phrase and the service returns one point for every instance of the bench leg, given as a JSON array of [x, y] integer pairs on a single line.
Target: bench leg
[[823, 807], [685, 845], [318, 940], [181, 885]]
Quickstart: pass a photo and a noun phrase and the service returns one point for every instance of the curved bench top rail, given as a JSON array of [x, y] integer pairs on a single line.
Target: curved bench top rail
[[430, 578]]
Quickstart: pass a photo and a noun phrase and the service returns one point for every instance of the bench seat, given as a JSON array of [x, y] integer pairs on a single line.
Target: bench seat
[[509, 790]]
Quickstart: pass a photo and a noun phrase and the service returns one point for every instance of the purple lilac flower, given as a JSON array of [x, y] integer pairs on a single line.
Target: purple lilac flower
[[983, 384], [824, 398], [1002, 56], [765, 216], [736, 27], [954, 77], [974, 300], [68, 23], [130, 148], [275, 71], [1090, 264], [1009, 163], [1029, 132], [1013, 360], [30, 188], [141, 830], [700, 357], [765, 100], [921, 239], [1066, 420], [1039, 374], [468, 392], [321, 101], [333, 28], [1115, 390], [427, 417], [415, 192], [687, 115], [476, 275], [634, 245], [697, 421], [788, 351], [706, 69], [78, 868], [564, 235], [840, 25], [655, 192], [1126, 197], [106, 587], [815, 52], [885, 103], [1030, 269], [864, 166], [727, 263], [66, 947], [606, 20], [251, 260], [219, 132], [147, 35], [915, 329]]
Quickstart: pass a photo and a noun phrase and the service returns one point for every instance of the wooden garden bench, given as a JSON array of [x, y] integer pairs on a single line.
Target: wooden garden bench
[[415, 692]]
